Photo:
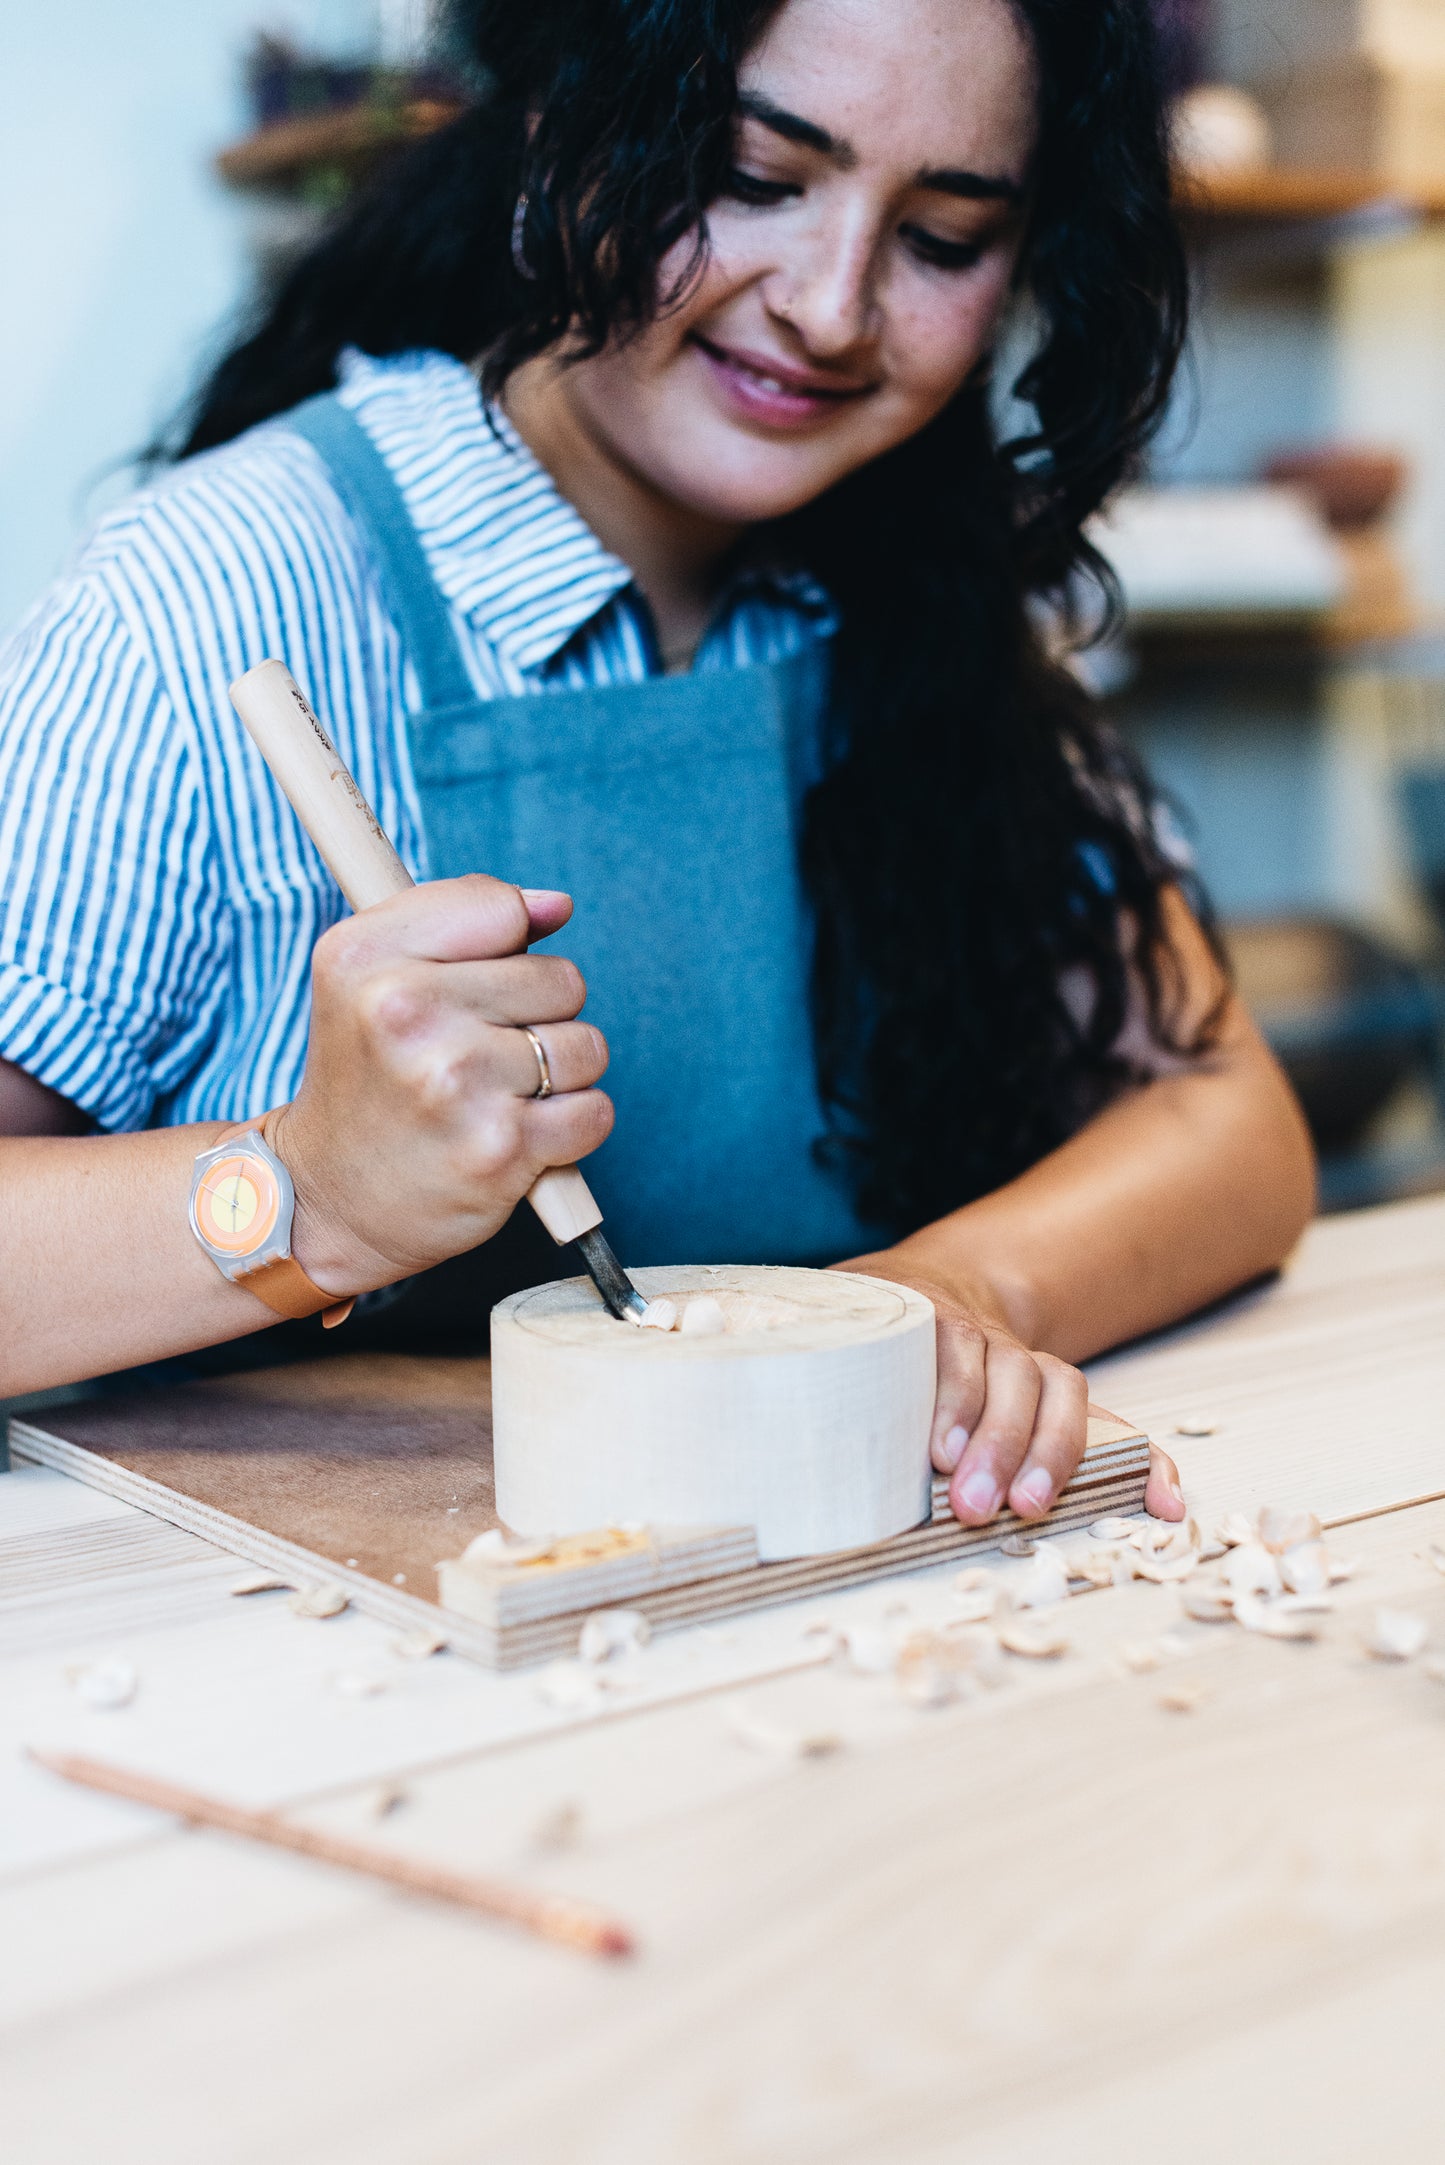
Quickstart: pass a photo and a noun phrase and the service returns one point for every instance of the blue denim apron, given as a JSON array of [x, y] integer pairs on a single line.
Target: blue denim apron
[[669, 810]]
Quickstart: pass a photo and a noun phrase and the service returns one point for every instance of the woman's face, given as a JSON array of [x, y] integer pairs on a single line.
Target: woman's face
[[859, 259]]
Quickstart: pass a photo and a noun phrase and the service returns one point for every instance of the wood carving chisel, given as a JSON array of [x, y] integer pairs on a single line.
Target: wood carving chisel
[[324, 796]]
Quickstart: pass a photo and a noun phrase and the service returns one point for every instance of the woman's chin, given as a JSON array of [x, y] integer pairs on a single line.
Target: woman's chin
[[734, 486]]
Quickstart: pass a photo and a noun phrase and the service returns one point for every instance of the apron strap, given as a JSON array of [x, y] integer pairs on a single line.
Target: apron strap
[[364, 483]]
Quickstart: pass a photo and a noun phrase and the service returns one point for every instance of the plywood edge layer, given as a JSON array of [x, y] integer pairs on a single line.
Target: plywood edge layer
[[772, 1585], [1111, 1481], [503, 1594]]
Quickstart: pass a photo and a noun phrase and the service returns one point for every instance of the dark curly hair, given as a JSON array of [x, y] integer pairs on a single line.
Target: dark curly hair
[[979, 840]]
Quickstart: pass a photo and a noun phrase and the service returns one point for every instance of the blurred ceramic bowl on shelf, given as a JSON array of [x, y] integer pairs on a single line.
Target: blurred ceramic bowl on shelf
[[1216, 128], [1352, 485]]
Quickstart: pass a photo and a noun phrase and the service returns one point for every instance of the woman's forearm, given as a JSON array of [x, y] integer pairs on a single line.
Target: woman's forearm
[[1173, 1196], [99, 1268]]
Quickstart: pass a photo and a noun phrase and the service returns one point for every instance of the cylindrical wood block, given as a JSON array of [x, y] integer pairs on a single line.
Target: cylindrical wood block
[[807, 1419]]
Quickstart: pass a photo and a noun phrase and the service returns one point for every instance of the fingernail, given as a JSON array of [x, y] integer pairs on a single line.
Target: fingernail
[[542, 894], [1176, 1492], [980, 1493], [951, 1450], [1036, 1490]]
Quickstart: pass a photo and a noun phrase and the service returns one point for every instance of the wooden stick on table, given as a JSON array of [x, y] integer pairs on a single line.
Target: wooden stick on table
[[553, 1917]]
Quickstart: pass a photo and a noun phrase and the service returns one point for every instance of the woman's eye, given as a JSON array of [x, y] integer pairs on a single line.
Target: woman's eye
[[947, 255], [746, 187]]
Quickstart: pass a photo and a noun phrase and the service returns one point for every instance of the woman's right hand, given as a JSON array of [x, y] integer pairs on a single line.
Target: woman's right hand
[[416, 1130]]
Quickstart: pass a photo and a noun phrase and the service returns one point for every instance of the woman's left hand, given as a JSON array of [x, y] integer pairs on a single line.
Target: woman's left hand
[[1009, 1425]]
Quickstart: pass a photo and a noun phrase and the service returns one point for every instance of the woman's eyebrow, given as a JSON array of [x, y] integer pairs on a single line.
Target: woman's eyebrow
[[977, 187]]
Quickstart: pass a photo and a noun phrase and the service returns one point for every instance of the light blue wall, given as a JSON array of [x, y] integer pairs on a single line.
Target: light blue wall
[[120, 253]]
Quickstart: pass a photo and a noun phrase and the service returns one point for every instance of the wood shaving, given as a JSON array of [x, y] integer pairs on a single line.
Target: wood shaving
[[933, 1667], [1113, 1529], [1170, 1543], [104, 1685], [1306, 1569], [1250, 1569], [871, 1650], [1271, 1618], [659, 1315], [970, 1581], [703, 1318], [359, 1683], [260, 1582], [1017, 1545], [1165, 1571], [776, 1738], [571, 1686], [926, 1683], [1042, 1582], [1280, 1529], [1139, 1656], [561, 1828], [1091, 1566], [1305, 1605], [1235, 1530], [1208, 1605], [1198, 1424], [498, 1547], [610, 1632], [1396, 1635], [1211, 1547], [327, 1600], [419, 1645], [976, 1608], [1033, 1638], [1185, 1696], [1343, 1567]]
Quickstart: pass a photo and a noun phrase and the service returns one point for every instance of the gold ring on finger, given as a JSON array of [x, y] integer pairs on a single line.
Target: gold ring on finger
[[544, 1072]]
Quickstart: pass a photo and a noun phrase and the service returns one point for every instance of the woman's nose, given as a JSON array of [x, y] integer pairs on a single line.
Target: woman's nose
[[828, 290]]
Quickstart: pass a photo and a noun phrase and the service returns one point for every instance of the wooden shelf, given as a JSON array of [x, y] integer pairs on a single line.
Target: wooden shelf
[[1278, 194], [350, 137]]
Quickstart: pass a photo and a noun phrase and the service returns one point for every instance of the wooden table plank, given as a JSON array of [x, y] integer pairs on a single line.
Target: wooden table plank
[[1058, 1922], [839, 1958]]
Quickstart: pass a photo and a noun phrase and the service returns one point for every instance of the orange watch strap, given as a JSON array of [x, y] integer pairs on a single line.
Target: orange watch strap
[[283, 1285]]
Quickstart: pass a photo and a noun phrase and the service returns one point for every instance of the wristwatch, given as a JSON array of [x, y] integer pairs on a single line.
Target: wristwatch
[[242, 1208]]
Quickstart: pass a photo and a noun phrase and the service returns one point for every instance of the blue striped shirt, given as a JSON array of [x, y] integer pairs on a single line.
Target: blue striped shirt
[[160, 901]]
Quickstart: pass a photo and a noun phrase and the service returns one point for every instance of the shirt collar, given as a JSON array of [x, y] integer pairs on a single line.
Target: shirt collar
[[505, 547]]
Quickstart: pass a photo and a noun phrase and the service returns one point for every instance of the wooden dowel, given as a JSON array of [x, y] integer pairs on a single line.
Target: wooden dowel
[[551, 1916], [323, 794]]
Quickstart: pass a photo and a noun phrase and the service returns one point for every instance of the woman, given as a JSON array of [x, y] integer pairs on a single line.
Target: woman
[[718, 614]]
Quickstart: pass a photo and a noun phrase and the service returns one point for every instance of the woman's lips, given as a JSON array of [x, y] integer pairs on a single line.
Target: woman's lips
[[783, 399]]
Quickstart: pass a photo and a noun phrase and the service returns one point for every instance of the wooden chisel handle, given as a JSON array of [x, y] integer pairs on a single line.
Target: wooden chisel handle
[[324, 796]]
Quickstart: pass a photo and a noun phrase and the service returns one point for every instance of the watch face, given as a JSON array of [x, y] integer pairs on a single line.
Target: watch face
[[237, 1203]]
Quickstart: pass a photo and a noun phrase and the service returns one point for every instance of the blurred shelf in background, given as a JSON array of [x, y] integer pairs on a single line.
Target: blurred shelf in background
[[1283, 194], [348, 140]]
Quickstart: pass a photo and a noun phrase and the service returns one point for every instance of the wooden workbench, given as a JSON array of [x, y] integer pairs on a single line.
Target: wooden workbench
[[1059, 1923]]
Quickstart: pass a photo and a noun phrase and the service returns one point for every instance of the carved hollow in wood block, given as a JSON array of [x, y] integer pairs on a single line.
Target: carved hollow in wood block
[[805, 1417]]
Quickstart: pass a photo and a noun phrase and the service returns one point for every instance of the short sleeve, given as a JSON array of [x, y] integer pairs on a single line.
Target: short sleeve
[[113, 931]]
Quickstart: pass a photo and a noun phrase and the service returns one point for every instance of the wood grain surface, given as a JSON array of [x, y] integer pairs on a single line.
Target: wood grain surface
[[1055, 1922]]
